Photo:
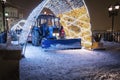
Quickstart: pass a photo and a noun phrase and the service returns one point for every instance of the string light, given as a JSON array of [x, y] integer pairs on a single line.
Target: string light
[[77, 25]]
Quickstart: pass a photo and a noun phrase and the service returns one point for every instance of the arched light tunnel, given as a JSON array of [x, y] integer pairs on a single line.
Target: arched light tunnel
[[73, 15]]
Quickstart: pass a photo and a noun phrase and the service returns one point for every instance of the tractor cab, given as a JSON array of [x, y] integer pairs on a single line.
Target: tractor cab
[[47, 26]]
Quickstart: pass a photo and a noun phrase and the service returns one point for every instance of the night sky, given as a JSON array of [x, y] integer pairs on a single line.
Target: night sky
[[98, 10], [26, 5]]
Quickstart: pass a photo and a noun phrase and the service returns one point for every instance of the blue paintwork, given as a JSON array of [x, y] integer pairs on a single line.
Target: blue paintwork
[[71, 43], [3, 37], [35, 36]]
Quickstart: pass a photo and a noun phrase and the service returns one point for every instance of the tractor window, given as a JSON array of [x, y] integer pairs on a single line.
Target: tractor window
[[38, 23], [57, 24], [49, 22], [53, 22], [43, 21]]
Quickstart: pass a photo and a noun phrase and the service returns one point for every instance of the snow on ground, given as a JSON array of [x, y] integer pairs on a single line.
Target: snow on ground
[[79, 64]]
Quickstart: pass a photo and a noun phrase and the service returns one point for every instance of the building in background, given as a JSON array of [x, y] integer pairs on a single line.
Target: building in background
[[1, 22], [12, 15]]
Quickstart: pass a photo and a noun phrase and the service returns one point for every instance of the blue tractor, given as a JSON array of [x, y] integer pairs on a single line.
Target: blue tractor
[[50, 34]]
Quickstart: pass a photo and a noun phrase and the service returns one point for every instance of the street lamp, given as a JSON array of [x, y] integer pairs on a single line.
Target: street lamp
[[113, 11], [6, 20], [3, 12]]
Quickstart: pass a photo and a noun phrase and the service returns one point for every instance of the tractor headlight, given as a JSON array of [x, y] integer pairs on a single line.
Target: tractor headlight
[[57, 34], [53, 34]]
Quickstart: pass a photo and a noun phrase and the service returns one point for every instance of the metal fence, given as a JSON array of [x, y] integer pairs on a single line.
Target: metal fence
[[109, 36]]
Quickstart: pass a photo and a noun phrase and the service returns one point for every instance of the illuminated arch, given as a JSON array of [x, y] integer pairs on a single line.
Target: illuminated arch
[[18, 26], [74, 17]]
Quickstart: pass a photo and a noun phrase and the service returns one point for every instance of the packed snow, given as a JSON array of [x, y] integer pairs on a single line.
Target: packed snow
[[74, 64]]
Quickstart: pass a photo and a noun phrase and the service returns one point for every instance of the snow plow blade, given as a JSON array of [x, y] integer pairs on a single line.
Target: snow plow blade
[[61, 43]]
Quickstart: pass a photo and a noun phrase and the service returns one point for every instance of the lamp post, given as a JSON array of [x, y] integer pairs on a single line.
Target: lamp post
[[6, 20], [113, 11], [3, 12]]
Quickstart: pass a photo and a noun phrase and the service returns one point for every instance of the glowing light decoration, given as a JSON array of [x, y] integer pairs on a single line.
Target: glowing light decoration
[[17, 25], [77, 25], [74, 17], [30, 21]]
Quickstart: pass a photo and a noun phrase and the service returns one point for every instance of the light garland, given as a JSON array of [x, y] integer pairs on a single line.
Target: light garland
[[77, 25]]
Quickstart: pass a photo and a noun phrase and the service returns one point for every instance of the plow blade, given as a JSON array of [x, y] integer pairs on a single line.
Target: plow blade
[[61, 43]]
